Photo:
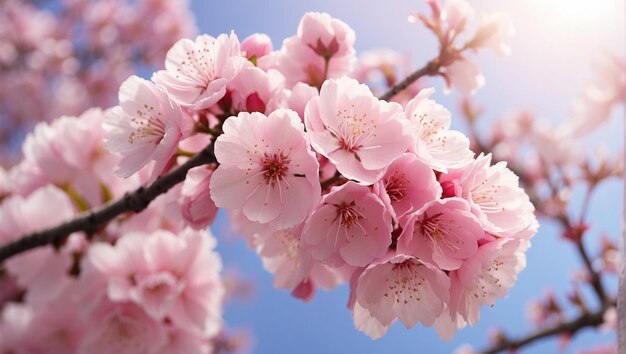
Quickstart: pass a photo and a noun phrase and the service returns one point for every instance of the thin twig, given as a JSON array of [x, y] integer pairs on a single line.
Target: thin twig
[[431, 68], [90, 220], [585, 319], [138, 200]]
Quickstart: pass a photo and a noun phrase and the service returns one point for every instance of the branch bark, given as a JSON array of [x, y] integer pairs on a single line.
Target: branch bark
[[90, 220], [586, 319], [431, 68], [139, 199]]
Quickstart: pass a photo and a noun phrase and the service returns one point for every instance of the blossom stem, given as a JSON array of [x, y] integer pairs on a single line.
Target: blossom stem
[[90, 220], [430, 69], [181, 152], [331, 181]]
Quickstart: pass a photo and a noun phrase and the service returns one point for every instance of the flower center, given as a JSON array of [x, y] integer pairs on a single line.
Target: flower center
[[405, 287], [149, 128], [353, 129], [395, 186], [274, 167], [347, 216], [432, 228]]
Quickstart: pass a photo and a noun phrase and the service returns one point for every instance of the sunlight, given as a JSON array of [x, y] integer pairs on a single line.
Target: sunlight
[[570, 17]]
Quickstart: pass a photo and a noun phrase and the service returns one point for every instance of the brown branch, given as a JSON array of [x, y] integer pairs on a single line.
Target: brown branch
[[585, 319], [90, 220], [430, 69]]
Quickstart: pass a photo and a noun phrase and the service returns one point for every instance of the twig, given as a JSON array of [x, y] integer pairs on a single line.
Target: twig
[[586, 319], [431, 68], [90, 220]]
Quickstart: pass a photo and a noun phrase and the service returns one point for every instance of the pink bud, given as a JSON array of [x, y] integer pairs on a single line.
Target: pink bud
[[256, 45], [254, 103]]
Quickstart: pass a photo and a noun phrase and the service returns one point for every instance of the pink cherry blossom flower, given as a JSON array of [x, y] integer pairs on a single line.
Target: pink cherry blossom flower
[[493, 32], [357, 132], [444, 232], [407, 185], [493, 192], [53, 147], [197, 72], [146, 126], [256, 45], [366, 323], [252, 89], [54, 327], [166, 275], [282, 255], [351, 226], [180, 341], [486, 277], [322, 49], [402, 287], [198, 208], [292, 266], [44, 271], [456, 15], [295, 99], [434, 142], [123, 329], [465, 76], [324, 277], [381, 62], [448, 21], [267, 169]]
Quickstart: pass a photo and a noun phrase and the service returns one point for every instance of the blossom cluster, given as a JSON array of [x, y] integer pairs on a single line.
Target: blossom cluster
[[328, 183], [144, 283], [73, 55]]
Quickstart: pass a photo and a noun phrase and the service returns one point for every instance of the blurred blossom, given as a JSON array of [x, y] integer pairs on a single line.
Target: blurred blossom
[[449, 21], [545, 310], [605, 91], [70, 57]]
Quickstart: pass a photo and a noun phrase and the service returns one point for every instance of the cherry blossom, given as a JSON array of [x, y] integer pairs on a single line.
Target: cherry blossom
[[198, 208], [444, 232], [351, 225], [256, 45], [493, 32], [357, 132], [402, 287], [322, 49], [407, 185], [146, 126], [166, 275], [486, 277], [252, 89], [494, 194], [434, 142], [465, 76], [123, 328], [266, 168], [197, 72]]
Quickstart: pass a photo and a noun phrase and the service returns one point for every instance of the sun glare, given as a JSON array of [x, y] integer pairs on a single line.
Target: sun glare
[[571, 17]]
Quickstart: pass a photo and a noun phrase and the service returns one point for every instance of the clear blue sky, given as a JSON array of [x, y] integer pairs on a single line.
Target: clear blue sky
[[548, 69]]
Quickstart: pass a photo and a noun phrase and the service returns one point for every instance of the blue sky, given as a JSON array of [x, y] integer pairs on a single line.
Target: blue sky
[[550, 66]]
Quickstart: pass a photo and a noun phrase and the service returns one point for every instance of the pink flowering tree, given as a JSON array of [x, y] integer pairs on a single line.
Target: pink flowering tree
[[330, 177]]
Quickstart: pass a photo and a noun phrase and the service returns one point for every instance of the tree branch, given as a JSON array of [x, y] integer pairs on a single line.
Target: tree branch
[[138, 200], [431, 68], [585, 319], [90, 220]]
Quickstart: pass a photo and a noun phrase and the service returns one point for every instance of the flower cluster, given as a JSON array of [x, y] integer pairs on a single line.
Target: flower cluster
[[328, 183], [144, 283], [73, 55]]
